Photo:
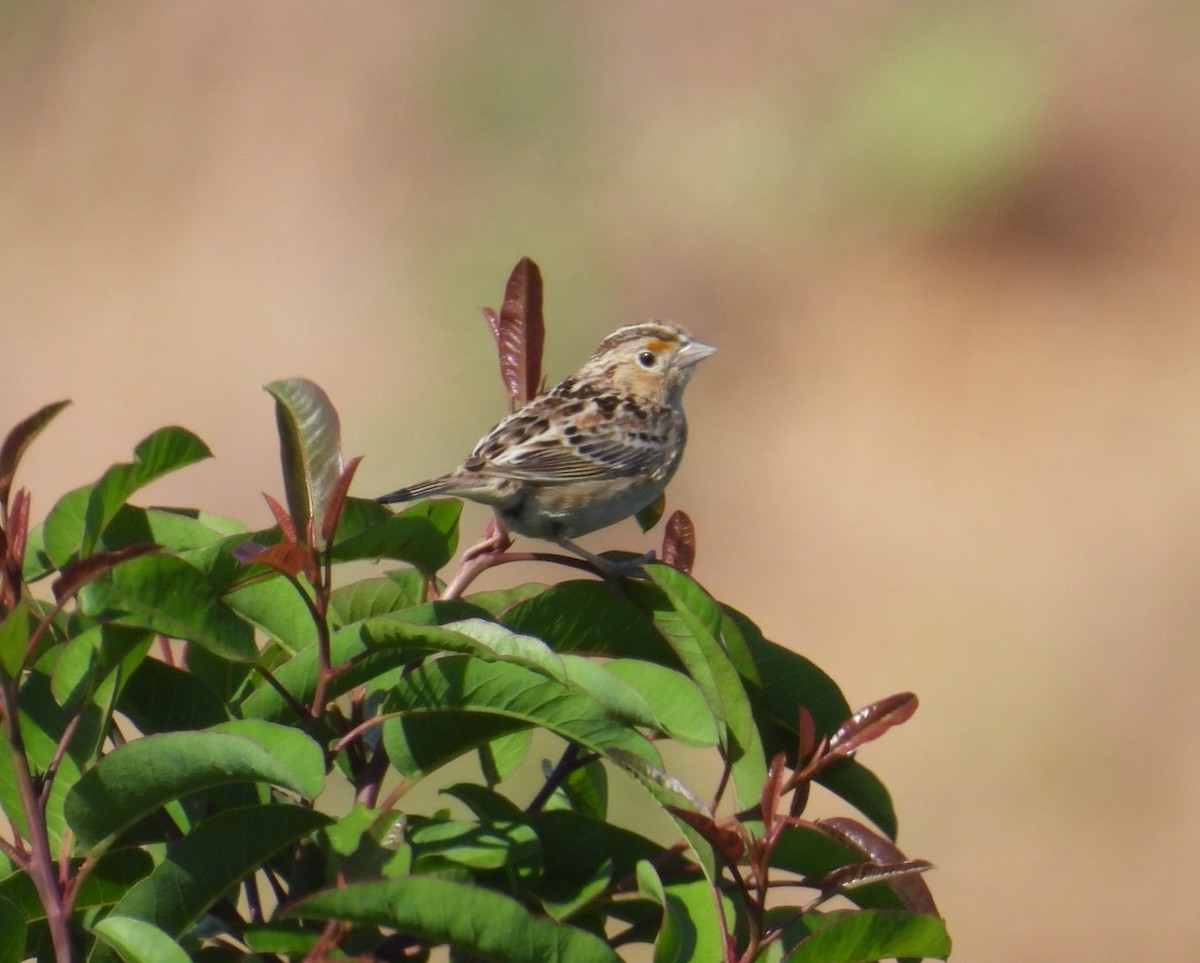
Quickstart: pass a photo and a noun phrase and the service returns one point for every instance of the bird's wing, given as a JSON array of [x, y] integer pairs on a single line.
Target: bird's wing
[[532, 444]]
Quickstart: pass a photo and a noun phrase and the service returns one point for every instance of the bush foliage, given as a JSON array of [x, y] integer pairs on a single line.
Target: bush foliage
[[210, 736]]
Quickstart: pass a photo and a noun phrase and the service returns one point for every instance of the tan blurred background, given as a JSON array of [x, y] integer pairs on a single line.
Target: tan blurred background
[[950, 254]]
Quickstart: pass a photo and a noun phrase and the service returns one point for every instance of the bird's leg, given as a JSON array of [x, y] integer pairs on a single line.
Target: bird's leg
[[495, 540], [631, 568]]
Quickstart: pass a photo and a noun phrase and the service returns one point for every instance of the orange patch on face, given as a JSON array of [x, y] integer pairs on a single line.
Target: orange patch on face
[[658, 345]]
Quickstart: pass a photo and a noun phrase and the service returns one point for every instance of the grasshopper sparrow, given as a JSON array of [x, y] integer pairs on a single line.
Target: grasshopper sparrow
[[597, 448]]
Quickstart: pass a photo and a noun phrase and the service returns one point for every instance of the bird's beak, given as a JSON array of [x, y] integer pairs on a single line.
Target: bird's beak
[[693, 352]]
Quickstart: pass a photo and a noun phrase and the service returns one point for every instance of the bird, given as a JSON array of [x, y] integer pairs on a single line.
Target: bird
[[595, 449]]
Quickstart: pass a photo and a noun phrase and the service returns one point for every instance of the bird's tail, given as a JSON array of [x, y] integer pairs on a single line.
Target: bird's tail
[[435, 486]]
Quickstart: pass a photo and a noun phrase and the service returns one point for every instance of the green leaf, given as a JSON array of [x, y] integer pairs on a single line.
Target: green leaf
[[274, 605], [498, 601], [864, 936], [14, 639], [136, 941], [310, 446], [586, 790], [175, 529], [90, 655], [158, 454], [692, 623], [62, 532], [454, 685], [499, 758], [591, 618], [441, 911], [374, 651], [43, 723], [424, 535], [691, 928], [790, 680], [377, 596], [138, 777], [162, 698], [212, 860], [682, 712], [673, 795], [495, 642], [475, 845], [166, 595], [12, 933]]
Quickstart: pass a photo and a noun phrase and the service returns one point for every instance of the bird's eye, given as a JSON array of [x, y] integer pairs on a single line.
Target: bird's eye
[[646, 359]]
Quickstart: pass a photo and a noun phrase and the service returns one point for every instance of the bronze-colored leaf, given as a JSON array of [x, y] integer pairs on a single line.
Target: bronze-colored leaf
[[910, 887], [78, 573], [18, 440], [861, 874], [726, 841], [768, 802], [870, 723], [337, 501], [18, 530], [522, 333], [287, 558], [282, 518], [493, 323], [679, 543], [310, 448]]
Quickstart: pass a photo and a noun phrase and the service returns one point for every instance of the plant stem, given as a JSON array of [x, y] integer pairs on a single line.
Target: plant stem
[[41, 861]]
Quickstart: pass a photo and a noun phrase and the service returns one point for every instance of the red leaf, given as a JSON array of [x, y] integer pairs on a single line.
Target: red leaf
[[493, 321], [679, 543], [337, 501], [806, 735], [18, 440], [522, 333], [870, 723], [18, 529], [861, 874], [726, 841], [282, 518], [768, 802], [78, 573], [910, 887], [287, 558]]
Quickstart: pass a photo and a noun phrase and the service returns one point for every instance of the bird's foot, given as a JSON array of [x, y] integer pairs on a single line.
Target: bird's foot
[[495, 541], [608, 569]]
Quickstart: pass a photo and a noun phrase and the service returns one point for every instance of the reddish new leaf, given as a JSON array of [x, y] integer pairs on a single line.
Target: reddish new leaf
[[337, 501], [768, 802], [679, 543], [18, 440], [521, 333], [869, 724], [18, 529], [726, 841], [910, 886], [861, 874], [287, 558], [78, 573], [282, 518], [493, 323]]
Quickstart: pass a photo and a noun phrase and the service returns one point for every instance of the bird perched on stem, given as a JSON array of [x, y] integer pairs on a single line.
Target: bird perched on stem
[[595, 449]]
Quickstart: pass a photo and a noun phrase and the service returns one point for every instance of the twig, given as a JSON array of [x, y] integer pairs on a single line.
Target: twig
[[557, 777]]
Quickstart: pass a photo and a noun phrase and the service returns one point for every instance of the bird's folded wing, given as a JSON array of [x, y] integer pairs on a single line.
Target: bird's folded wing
[[603, 454]]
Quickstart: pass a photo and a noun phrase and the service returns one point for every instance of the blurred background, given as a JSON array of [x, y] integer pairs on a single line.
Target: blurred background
[[949, 252]]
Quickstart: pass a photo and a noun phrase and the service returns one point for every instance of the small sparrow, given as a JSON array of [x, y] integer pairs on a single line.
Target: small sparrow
[[597, 448]]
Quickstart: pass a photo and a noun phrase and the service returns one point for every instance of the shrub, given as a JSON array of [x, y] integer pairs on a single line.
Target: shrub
[[210, 737]]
